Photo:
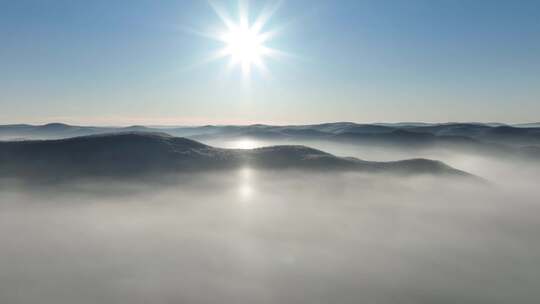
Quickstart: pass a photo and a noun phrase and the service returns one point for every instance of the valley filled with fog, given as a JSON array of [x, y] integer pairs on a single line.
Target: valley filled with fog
[[269, 152], [500, 170], [279, 236]]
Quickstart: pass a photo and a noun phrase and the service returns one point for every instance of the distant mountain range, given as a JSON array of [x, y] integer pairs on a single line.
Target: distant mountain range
[[136, 153], [524, 134], [522, 140]]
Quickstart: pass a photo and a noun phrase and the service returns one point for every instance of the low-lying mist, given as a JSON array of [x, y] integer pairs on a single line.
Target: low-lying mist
[[278, 237], [500, 169]]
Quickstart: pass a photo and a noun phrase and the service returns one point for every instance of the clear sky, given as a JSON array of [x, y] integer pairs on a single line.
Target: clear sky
[[144, 62]]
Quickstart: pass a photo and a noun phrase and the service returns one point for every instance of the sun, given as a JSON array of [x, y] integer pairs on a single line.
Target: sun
[[245, 46], [245, 42]]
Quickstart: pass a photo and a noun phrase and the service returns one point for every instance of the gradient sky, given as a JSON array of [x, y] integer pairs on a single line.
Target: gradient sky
[[141, 62]]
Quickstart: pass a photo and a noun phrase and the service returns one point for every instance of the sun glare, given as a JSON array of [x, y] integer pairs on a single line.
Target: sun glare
[[245, 144], [245, 46], [245, 41]]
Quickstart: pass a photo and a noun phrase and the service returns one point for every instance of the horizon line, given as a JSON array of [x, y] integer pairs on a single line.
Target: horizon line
[[262, 124]]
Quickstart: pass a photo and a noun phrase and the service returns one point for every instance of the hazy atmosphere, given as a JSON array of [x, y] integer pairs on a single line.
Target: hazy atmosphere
[[269, 152]]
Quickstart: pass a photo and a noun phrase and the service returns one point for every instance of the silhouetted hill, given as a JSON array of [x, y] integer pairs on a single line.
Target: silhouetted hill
[[48, 131], [134, 154]]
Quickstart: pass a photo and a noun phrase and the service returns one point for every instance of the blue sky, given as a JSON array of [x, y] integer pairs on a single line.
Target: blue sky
[[141, 62]]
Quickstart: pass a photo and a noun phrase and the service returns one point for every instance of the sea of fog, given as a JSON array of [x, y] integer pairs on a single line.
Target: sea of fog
[[278, 237]]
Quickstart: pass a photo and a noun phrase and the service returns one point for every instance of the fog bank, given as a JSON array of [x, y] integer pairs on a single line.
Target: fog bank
[[261, 237]]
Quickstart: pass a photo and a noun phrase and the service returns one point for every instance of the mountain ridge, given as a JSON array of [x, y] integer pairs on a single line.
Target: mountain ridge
[[492, 138], [140, 153], [478, 131]]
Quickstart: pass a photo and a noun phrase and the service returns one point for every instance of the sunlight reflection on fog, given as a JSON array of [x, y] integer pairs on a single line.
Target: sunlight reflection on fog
[[245, 183], [244, 144]]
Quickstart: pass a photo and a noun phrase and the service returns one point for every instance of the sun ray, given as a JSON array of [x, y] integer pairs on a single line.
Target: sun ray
[[222, 14], [266, 14], [243, 12]]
